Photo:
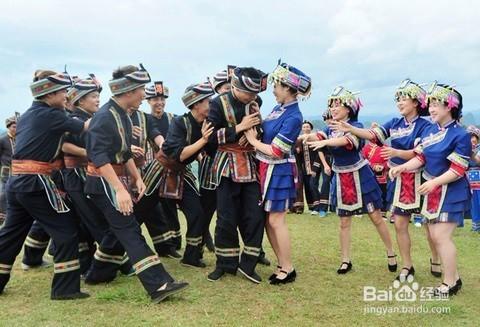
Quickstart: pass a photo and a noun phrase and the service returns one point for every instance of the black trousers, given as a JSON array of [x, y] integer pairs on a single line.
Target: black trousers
[[36, 244], [191, 206], [127, 231], [170, 213], [325, 192], [149, 211], [37, 239], [22, 209], [311, 191], [238, 207], [209, 205]]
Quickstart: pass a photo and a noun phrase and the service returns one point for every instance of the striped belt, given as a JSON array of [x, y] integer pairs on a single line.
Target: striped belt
[[75, 162], [33, 167], [93, 171]]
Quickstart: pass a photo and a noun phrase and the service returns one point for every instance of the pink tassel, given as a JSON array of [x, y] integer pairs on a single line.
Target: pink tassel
[[452, 101], [422, 98], [359, 104]]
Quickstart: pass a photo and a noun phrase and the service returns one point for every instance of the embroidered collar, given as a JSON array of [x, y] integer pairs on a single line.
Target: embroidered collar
[[117, 107], [410, 122], [286, 105], [447, 125]]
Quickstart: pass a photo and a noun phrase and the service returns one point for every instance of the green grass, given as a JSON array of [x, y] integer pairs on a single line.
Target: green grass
[[318, 297]]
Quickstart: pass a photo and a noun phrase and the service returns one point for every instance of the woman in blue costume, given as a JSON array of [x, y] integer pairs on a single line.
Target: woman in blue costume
[[354, 188], [277, 163], [404, 134], [444, 152], [473, 175]]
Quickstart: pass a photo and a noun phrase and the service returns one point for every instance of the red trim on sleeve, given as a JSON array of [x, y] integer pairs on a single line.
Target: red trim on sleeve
[[420, 157], [457, 169], [375, 138], [320, 136], [349, 146], [276, 151]]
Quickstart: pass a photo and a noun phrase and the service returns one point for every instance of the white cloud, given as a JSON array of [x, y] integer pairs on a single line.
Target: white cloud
[[365, 45]]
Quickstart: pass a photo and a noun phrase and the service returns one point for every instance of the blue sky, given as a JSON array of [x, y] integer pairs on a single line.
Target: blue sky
[[367, 46]]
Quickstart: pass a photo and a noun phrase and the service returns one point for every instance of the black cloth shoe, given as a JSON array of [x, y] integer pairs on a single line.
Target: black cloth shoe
[[450, 290], [435, 273], [392, 268], [216, 274], [343, 271], [74, 296], [458, 284], [253, 277], [95, 281], [410, 272], [170, 253], [290, 278], [170, 289], [198, 264], [272, 276]]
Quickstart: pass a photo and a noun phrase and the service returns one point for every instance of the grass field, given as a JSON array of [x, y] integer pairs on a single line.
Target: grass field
[[318, 297]]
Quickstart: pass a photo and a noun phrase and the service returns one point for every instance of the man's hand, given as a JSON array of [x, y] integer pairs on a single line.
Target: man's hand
[[248, 122], [137, 132], [137, 151], [124, 200], [207, 130]]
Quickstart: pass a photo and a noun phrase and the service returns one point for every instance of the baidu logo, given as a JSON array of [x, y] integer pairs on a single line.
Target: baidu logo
[[402, 290]]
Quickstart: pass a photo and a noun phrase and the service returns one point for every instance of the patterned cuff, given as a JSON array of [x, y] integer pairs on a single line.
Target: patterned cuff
[[283, 143], [321, 136], [457, 169], [353, 140], [418, 149], [379, 134], [420, 157], [459, 160], [276, 151]]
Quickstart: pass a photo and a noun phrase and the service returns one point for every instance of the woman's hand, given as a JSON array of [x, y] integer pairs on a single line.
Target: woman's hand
[[427, 187], [124, 200], [317, 145], [396, 171], [207, 130], [340, 126], [251, 135], [388, 152]]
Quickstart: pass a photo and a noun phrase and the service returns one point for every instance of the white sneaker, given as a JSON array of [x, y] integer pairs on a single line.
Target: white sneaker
[[313, 212]]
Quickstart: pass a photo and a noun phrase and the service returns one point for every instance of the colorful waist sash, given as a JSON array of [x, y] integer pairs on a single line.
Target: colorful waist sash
[[43, 170], [118, 168], [33, 167], [236, 162], [72, 162]]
